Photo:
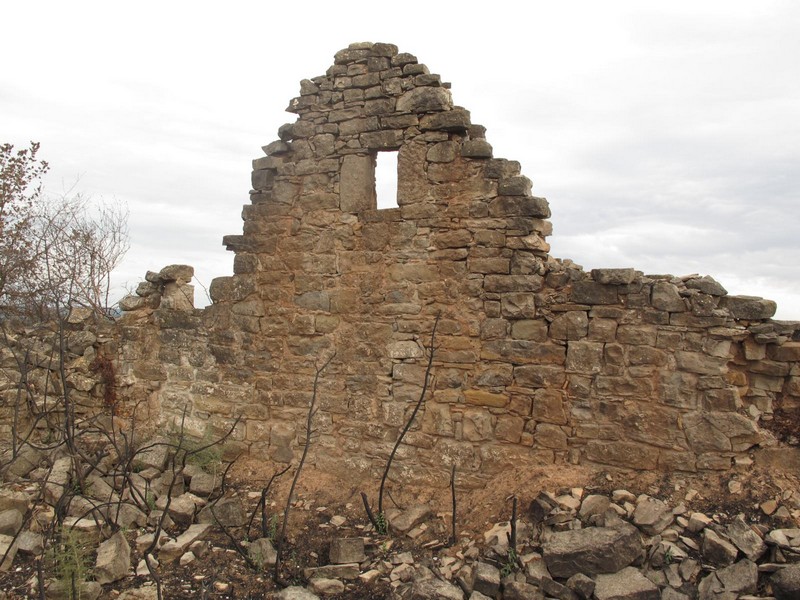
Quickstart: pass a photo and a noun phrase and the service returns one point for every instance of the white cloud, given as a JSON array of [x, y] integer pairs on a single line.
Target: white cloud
[[666, 136]]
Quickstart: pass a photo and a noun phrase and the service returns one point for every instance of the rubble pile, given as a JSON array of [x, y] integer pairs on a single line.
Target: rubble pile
[[573, 544]]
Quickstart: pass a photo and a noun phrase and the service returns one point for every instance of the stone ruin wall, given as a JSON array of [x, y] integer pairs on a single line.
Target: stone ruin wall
[[535, 361]]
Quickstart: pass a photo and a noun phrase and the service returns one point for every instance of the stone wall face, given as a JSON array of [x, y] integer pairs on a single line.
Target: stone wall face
[[535, 361]]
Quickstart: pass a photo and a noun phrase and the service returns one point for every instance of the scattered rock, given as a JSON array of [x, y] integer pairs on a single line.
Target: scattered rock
[[627, 584], [746, 539], [13, 500], [10, 522], [347, 550], [554, 589], [173, 549], [652, 516], [411, 517], [182, 509], [113, 559], [786, 583], [262, 552], [435, 589], [591, 551], [30, 543], [486, 579], [62, 590], [730, 582], [347, 572], [154, 454], [142, 593], [203, 484], [769, 507], [716, 550], [228, 512], [326, 587], [593, 505], [294, 592], [8, 549], [582, 585]]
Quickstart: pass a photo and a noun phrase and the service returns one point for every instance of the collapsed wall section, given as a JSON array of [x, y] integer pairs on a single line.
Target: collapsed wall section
[[535, 360]]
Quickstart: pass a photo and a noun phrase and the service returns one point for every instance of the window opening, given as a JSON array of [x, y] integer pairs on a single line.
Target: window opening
[[386, 179]]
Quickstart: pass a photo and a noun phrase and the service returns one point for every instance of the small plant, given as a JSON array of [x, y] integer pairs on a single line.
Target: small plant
[[71, 561], [203, 452], [381, 526], [150, 500], [669, 558], [511, 563], [273, 527]]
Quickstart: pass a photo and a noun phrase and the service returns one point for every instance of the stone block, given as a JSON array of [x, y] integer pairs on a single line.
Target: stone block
[[442, 152], [697, 362], [518, 185], [591, 292], [787, 352], [518, 305], [456, 120], [707, 285], [425, 99], [512, 283], [529, 329], [665, 296], [591, 551], [390, 139], [751, 308], [549, 406], [509, 428], [484, 398], [550, 436], [539, 376], [614, 276], [571, 325], [622, 454], [357, 184], [476, 149], [347, 550], [584, 357], [519, 206]]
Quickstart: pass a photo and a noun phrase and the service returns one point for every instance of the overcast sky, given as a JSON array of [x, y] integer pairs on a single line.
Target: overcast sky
[[666, 135]]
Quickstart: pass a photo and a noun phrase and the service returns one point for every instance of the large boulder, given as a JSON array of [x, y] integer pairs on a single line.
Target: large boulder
[[591, 551]]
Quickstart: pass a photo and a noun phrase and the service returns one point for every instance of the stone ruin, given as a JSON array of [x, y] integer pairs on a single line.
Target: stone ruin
[[535, 361]]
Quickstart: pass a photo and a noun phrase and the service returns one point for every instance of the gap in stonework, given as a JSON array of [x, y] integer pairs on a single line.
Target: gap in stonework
[[386, 179]]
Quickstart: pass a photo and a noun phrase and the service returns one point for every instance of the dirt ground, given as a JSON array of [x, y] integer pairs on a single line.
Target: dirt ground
[[222, 573]]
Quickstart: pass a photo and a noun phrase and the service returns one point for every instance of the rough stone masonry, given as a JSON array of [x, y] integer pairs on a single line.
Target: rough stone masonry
[[535, 361]]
